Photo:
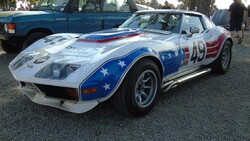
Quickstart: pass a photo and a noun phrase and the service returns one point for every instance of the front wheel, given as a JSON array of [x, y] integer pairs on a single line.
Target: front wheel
[[138, 93], [222, 63]]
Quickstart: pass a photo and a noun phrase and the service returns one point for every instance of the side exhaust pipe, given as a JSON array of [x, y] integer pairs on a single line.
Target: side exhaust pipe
[[174, 83]]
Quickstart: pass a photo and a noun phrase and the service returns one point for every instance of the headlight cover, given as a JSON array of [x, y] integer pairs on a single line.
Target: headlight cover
[[21, 61], [57, 71]]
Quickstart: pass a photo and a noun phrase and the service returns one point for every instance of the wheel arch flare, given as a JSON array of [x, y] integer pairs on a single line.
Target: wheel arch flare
[[106, 79]]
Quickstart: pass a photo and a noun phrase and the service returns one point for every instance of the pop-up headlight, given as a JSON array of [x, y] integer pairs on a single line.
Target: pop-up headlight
[[57, 71]]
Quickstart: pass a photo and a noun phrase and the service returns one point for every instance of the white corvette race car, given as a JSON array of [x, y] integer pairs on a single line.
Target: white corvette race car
[[152, 51]]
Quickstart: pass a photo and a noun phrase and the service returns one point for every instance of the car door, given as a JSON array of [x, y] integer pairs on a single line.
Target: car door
[[192, 42], [85, 16]]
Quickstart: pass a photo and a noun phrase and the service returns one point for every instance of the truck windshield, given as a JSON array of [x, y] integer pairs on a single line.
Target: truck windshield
[[55, 5]]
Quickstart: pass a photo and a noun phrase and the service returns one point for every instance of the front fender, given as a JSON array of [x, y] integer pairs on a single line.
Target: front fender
[[106, 79]]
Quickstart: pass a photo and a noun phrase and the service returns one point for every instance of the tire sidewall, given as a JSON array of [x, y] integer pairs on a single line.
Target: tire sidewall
[[130, 86], [227, 44]]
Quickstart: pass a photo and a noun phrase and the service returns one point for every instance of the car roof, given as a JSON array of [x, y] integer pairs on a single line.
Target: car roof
[[170, 11]]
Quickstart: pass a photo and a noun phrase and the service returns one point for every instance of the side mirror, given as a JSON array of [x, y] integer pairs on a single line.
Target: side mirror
[[194, 30]]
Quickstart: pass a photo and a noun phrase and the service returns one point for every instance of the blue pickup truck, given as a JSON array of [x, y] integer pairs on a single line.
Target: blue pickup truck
[[19, 29]]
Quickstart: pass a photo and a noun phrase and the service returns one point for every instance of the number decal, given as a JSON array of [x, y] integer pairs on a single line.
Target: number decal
[[198, 52], [54, 39], [194, 55], [201, 47]]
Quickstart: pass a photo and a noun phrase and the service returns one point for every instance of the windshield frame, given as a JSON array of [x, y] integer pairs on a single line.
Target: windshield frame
[[154, 22]]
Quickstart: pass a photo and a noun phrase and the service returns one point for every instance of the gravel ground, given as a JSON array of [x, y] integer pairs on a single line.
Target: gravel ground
[[212, 107]]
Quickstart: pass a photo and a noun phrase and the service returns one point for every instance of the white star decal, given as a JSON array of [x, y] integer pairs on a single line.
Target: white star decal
[[163, 57], [169, 55], [122, 63], [182, 52], [104, 71], [182, 62], [106, 86]]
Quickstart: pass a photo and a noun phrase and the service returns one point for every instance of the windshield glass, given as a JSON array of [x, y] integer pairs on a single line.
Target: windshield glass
[[157, 21], [57, 5]]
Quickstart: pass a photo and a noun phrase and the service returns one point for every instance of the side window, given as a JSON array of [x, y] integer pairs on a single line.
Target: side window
[[208, 22], [191, 21], [90, 6], [74, 6], [116, 6]]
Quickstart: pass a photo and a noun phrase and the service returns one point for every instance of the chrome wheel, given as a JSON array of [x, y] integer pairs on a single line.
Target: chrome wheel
[[139, 90], [146, 88]]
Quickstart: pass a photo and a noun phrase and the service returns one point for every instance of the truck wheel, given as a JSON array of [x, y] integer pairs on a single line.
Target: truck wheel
[[138, 92], [9, 47], [32, 38], [222, 63]]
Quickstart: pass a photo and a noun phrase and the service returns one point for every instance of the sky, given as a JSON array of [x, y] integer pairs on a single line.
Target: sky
[[221, 4]]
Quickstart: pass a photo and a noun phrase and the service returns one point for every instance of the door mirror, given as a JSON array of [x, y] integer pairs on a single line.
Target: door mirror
[[194, 30]]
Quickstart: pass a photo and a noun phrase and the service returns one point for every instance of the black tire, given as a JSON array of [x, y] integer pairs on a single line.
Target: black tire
[[32, 38], [139, 91], [222, 63], [9, 47]]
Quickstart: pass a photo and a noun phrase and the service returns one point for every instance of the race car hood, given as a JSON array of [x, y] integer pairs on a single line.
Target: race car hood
[[94, 44], [88, 46]]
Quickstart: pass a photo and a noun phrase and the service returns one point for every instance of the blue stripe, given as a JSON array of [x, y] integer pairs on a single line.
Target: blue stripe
[[115, 73]]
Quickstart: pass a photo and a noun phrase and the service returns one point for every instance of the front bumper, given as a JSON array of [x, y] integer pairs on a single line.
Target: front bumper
[[67, 105], [12, 37]]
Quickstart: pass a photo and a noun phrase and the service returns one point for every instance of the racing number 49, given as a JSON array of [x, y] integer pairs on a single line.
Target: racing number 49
[[198, 52]]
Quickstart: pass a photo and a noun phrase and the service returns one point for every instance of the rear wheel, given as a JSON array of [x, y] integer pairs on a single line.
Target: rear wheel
[[138, 93], [222, 63], [10, 47], [32, 38]]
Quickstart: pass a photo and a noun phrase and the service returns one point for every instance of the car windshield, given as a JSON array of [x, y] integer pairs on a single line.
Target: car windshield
[[155, 21], [55, 5]]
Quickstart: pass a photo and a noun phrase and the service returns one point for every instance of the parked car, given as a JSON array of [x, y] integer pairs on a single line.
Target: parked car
[[220, 18], [152, 51], [19, 29]]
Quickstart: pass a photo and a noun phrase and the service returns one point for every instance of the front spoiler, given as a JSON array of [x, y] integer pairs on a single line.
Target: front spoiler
[[74, 107]]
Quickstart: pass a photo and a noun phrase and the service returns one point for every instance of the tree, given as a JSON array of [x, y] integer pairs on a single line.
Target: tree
[[140, 1], [202, 6], [205, 6], [154, 4], [188, 4]]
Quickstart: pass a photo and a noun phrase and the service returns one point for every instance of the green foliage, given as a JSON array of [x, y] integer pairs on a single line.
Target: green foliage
[[12, 3]]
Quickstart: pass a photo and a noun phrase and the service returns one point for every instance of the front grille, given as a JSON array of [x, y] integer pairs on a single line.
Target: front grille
[[56, 92]]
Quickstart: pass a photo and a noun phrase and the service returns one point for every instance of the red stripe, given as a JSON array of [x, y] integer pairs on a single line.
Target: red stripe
[[214, 47], [107, 40]]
